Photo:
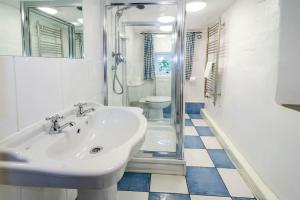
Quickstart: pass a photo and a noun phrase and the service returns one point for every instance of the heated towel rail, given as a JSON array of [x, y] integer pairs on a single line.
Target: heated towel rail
[[50, 41], [212, 55]]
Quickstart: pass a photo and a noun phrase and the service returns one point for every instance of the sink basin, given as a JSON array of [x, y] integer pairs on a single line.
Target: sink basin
[[90, 156]]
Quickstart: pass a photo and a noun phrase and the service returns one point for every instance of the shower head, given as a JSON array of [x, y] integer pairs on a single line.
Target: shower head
[[140, 6]]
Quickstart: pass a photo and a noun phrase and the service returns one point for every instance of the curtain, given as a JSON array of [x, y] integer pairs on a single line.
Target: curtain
[[189, 54], [149, 66]]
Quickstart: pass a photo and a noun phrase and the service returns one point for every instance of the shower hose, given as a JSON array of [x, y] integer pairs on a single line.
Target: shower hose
[[116, 81]]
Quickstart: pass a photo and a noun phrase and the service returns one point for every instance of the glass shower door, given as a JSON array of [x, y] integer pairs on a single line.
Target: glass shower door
[[142, 69]]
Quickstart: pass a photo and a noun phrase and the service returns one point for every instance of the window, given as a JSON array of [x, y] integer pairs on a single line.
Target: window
[[163, 63]]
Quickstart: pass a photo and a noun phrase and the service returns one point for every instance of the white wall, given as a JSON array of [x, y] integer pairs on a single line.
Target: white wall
[[265, 133], [10, 29], [194, 89], [288, 91], [33, 88]]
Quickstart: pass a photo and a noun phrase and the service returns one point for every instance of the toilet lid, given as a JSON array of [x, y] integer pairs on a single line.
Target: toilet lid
[[158, 99]]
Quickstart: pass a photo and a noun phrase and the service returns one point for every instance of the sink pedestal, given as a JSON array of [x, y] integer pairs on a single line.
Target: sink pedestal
[[104, 194]]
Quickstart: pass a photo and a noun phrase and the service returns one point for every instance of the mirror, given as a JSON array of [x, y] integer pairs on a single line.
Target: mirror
[[42, 28]]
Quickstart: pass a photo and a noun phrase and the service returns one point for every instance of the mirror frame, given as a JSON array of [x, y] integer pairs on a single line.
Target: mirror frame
[[26, 6]]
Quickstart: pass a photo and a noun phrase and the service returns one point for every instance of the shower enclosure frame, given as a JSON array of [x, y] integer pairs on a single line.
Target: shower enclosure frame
[[155, 164]]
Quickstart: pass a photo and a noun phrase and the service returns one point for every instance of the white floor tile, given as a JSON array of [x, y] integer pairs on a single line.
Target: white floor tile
[[168, 184], [190, 130], [199, 122], [197, 158], [197, 197], [126, 195], [186, 116], [234, 183], [211, 142]]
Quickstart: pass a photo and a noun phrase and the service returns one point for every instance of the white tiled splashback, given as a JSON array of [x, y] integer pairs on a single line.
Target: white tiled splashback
[[8, 108], [39, 89], [33, 88]]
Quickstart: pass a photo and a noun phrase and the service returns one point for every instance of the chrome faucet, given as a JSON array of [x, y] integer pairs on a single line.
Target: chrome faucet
[[81, 112], [55, 127]]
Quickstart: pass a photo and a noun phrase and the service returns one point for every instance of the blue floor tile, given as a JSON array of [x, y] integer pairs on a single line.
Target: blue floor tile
[[168, 109], [205, 181], [195, 116], [220, 159], [167, 115], [135, 182], [188, 122], [193, 142], [204, 131], [242, 198], [193, 108], [166, 196]]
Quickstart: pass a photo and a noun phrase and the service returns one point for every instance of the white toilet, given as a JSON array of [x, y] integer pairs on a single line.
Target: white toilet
[[154, 105]]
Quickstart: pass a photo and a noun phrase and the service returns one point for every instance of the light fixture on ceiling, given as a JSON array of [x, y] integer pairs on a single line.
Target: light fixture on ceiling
[[48, 10], [160, 35], [80, 20], [166, 19], [195, 6], [76, 23], [166, 28]]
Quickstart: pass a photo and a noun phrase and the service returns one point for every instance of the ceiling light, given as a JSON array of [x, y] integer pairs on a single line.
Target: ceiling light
[[76, 23], [160, 36], [166, 19], [195, 6], [166, 28], [50, 11], [80, 20]]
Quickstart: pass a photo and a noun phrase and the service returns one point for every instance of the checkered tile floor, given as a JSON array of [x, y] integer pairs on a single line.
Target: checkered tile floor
[[210, 173]]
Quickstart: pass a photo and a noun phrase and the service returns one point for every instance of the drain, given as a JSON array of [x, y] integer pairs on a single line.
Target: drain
[[95, 150]]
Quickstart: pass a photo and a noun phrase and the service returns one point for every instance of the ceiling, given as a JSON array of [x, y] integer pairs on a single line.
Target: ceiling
[[69, 14], [212, 12], [149, 13], [194, 21]]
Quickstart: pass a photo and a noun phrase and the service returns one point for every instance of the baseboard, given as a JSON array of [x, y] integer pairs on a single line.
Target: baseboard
[[259, 188]]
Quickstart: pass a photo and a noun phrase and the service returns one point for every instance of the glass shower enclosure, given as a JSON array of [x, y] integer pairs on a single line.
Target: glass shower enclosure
[[143, 53]]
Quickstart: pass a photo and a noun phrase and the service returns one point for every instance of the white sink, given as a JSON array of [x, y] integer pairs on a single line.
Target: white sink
[[90, 156]]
